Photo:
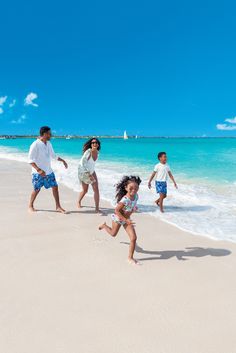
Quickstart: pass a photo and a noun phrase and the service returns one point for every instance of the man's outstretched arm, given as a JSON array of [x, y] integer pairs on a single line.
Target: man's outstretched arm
[[63, 161]]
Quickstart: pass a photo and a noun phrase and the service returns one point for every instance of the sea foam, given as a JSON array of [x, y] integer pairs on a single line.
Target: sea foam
[[200, 208]]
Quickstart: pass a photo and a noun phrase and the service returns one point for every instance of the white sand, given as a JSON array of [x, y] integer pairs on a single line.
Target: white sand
[[66, 287]]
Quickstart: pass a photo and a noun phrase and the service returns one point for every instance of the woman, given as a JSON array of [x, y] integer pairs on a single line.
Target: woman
[[86, 170]]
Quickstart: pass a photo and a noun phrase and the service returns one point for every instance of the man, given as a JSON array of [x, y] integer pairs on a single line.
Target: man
[[40, 155]]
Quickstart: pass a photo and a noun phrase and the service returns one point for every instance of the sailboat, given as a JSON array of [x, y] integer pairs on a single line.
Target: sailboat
[[125, 135]]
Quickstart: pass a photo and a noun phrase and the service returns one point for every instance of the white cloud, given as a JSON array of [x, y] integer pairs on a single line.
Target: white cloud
[[225, 127], [232, 121], [3, 100], [30, 98], [12, 103], [20, 120], [1, 111]]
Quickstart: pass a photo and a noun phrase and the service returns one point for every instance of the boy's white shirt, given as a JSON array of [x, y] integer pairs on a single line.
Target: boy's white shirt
[[162, 171]]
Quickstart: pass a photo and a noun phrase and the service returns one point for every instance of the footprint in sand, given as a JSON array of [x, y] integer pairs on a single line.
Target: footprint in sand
[[99, 240]]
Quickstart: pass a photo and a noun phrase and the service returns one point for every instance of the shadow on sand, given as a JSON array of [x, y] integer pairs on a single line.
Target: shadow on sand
[[142, 209], [179, 254], [169, 209], [83, 210]]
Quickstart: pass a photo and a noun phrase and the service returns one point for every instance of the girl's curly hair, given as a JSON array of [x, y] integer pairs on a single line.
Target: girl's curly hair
[[88, 144], [120, 187]]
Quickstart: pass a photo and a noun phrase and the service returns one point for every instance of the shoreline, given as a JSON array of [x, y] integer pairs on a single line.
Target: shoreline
[[158, 218], [106, 204]]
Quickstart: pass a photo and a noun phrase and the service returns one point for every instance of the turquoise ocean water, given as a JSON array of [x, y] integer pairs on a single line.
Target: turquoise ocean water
[[204, 168]]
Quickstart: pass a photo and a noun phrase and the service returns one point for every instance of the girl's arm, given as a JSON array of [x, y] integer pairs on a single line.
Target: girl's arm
[[150, 180], [173, 179], [118, 210]]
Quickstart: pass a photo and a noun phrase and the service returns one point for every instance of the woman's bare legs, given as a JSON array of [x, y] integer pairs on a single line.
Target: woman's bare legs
[[96, 193], [82, 193], [133, 237], [113, 230]]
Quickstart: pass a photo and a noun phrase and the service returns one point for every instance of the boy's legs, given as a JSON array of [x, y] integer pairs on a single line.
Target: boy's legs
[[157, 201], [160, 203], [161, 188]]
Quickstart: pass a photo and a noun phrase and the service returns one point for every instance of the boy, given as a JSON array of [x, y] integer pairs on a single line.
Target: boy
[[161, 172]]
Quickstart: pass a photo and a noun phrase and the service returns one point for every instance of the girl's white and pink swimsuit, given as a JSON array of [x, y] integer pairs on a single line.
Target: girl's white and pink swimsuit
[[129, 206]]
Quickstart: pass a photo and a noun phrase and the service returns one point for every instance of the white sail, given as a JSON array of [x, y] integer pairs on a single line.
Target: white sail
[[125, 135]]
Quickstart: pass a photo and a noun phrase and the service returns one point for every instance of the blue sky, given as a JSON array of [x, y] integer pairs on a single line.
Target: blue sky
[[151, 67]]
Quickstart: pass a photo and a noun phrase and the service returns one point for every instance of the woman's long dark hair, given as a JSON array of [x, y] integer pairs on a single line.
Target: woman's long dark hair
[[88, 144], [120, 187]]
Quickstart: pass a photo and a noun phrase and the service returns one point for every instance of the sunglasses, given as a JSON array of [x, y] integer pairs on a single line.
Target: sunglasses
[[94, 143]]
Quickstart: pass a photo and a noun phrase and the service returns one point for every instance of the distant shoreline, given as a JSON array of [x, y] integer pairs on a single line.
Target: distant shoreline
[[70, 137]]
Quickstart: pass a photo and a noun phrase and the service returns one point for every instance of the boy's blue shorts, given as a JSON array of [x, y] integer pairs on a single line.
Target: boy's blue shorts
[[38, 181], [161, 187]]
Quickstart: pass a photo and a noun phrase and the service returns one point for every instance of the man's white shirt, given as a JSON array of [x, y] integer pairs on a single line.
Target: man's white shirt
[[41, 154]]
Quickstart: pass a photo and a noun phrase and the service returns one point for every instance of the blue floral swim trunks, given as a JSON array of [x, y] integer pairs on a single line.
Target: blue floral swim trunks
[[161, 187], [38, 181]]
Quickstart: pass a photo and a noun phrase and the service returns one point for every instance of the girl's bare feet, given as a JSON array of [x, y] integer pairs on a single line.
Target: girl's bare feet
[[102, 226], [133, 261], [32, 209], [61, 210], [79, 205], [98, 211]]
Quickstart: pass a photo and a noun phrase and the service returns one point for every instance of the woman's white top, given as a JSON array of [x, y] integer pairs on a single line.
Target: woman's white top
[[87, 163]]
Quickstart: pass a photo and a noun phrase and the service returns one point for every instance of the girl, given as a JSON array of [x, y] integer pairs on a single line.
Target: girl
[[127, 197], [86, 170]]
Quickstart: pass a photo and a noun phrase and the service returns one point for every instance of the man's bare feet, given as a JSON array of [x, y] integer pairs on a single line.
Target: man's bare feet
[[157, 203], [61, 210], [102, 226], [98, 211], [132, 261], [31, 209]]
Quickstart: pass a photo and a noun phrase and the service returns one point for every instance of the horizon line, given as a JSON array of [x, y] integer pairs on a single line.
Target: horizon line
[[68, 136]]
